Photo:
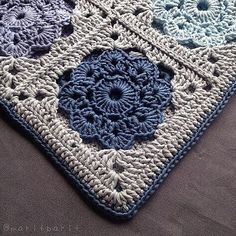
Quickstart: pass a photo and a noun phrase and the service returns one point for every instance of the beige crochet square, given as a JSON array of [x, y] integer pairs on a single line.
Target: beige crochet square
[[118, 181]]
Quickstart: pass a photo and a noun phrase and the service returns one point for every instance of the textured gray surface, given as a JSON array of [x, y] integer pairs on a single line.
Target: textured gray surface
[[198, 198]]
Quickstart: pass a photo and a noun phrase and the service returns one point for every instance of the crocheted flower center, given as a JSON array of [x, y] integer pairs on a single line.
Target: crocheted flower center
[[114, 98], [203, 5], [115, 94], [20, 16], [90, 118], [29, 28], [196, 23]]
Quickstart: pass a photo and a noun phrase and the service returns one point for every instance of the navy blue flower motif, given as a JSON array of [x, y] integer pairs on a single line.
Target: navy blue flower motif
[[115, 98], [29, 27]]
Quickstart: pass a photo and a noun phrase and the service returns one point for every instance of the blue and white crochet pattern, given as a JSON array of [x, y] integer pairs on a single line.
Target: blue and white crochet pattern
[[197, 23], [112, 101]]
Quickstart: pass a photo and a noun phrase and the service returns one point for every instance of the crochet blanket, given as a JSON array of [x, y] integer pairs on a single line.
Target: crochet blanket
[[116, 91]]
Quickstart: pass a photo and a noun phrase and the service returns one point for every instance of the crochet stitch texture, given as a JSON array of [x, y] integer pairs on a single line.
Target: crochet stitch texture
[[70, 97], [29, 27], [115, 98], [197, 22]]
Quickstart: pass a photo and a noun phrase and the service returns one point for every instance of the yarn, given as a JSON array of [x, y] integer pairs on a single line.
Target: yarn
[[115, 98], [197, 23], [29, 27], [116, 104]]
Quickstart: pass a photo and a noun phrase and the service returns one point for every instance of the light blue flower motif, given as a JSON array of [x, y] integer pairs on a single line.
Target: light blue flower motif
[[197, 23], [115, 99], [166, 9]]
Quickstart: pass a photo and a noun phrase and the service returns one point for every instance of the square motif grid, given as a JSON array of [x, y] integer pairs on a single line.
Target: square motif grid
[[118, 182]]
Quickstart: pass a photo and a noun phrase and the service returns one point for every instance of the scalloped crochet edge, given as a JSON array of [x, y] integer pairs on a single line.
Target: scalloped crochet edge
[[84, 189]]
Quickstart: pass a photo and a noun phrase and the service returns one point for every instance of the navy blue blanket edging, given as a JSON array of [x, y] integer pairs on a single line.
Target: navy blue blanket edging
[[84, 189]]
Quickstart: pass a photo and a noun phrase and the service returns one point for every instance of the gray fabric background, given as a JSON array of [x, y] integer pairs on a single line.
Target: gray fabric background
[[198, 197]]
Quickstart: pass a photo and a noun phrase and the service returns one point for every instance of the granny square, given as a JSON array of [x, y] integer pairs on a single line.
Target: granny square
[[115, 92]]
